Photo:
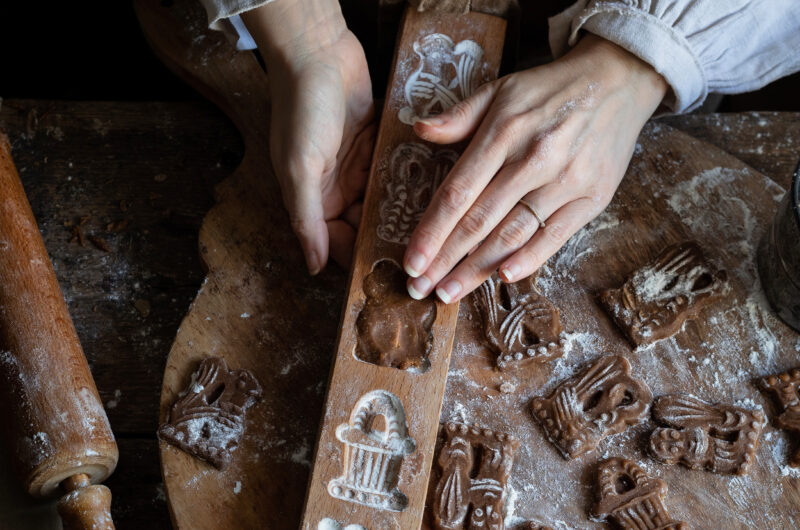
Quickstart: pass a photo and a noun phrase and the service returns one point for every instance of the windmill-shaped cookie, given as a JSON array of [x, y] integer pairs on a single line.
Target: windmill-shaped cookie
[[603, 400], [720, 438], [519, 323], [207, 420]]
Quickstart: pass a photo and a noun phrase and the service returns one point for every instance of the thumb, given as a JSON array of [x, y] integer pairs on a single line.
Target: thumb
[[304, 202], [460, 121]]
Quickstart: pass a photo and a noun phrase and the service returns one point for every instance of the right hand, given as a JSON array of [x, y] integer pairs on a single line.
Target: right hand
[[322, 131]]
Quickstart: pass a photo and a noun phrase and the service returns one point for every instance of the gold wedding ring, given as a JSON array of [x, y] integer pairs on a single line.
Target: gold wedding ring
[[533, 211]]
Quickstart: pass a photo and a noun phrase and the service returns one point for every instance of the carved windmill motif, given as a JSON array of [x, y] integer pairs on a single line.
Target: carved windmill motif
[[373, 456], [720, 438], [603, 400], [446, 74], [519, 323]]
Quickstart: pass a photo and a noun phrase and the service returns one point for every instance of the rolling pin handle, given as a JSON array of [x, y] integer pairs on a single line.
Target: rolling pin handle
[[85, 506]]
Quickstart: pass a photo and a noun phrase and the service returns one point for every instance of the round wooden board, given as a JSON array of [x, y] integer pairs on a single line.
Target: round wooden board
[[259, 310]]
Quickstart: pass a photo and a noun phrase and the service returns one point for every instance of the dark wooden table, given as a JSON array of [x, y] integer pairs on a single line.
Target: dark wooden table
[[138, 178]]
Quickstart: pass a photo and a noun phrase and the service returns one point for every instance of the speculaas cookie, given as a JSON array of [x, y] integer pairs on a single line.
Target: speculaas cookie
[[393, 328], [475, 464], [519, 323], [630, 499], [602, 400], [720, 438], [785, 388], [655, 302], [207, 419]]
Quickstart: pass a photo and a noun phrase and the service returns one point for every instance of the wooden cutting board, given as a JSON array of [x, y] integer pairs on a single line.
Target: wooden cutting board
[[258, 309]]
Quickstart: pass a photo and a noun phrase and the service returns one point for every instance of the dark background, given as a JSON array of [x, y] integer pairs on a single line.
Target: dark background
[[94, 50]]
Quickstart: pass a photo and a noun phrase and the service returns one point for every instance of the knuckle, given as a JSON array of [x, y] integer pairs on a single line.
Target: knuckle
[[557, 233], [513, 233], [453, 196], [302, 226], [476, 220]]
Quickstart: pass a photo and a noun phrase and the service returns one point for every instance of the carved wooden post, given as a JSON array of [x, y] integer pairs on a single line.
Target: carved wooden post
[[377, 437]]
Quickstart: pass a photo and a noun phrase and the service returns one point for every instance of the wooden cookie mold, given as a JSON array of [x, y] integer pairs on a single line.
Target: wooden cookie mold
[[720, 438], [207, 420], [785, 388], [519, 323], [602, 400], [393, 352], [630, 499], [655, 302], [476, 464]]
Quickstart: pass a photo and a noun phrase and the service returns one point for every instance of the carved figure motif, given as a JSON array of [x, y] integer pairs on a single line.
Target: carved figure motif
[[631, 499], [393, 328], [720, 438], [603, 400], [785, 388], [415, 171], [530, 525], [207, 420], [333, 524], [519, 323], [655, 302], [476, 464], [447, 73], [373, 457]]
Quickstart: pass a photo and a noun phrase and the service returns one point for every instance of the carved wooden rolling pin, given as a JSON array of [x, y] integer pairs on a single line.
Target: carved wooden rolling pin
[[58, 432], [377, 438]]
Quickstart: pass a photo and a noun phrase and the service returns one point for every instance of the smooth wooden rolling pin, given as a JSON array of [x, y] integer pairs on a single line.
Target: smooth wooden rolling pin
[[378, 433], [58, 432]]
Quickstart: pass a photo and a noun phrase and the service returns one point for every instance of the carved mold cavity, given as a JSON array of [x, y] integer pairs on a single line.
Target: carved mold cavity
[[600, 401], [631, 499], [446, 74], [394, 329], [785, 388], [476, 464], [519, 323], [720, 438], [415, 172], [333, 524], [207, 420], [373, 458], [655, 302]]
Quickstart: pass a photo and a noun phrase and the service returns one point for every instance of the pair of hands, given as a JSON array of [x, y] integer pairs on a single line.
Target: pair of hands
[[559, 137]]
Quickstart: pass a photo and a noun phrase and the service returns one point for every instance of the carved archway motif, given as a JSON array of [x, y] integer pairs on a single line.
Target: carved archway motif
[[373, 458]]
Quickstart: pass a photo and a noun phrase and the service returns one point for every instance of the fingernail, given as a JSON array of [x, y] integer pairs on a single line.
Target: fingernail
[[448, 291], [433, 121], [414, 264], [312, 261], [509, 272], [419, 287]]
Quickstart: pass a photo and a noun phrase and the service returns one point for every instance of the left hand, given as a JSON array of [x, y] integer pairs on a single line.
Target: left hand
[[559, 137]]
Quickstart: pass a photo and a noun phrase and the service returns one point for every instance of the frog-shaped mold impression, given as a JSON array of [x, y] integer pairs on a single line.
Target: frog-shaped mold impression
[[373, 456]]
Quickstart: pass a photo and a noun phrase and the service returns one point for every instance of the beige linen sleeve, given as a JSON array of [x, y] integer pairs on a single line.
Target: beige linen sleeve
[[223, 15], [699, 46]]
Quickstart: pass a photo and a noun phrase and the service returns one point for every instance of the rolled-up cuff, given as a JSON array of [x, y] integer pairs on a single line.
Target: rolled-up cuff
[[223, 15], [645, 36]]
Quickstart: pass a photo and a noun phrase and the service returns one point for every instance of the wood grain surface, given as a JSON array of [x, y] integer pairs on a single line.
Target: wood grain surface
[[85, 158], [352, 380]]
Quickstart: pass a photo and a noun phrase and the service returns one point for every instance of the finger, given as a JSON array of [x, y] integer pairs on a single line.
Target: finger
[[460, 121], [481, 160], [352, 215], [515, 230], [354, 170], [303, 200], [493, 205], [546, 242], [343, 238]]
